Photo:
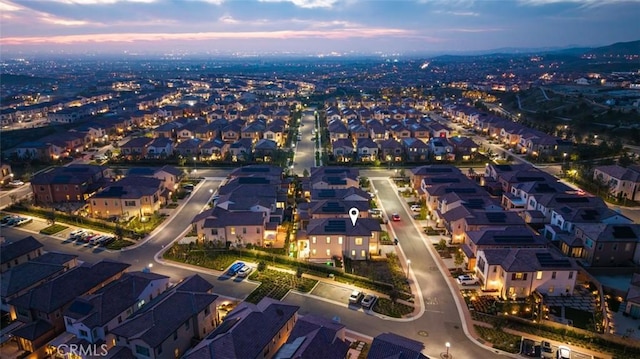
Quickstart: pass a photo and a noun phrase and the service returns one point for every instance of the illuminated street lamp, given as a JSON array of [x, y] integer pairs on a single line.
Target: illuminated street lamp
[[447, 345], [195, 169], [408, 266]]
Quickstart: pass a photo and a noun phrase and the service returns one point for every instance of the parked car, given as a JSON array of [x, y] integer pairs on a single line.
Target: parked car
[[10, 222], [467, 279], [23, 220], [7, 219], [244, 271], [369, 300], [395, 217], [108, 240], [395, 241], [563, 352], [416, 207], [355, 297], [235, 268], [88, 239], [16, 183], [76, 233], [546, 351], [530, 349], [95, 240]]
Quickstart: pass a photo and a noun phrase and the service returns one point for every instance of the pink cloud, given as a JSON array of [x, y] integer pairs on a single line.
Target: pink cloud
[[347, 33]]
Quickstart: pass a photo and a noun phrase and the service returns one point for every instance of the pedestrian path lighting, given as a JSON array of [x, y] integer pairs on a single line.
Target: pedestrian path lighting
[[447, 345], [408, 265]]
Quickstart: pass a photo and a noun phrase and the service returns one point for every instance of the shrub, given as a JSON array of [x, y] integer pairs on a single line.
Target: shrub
[[262, 266]]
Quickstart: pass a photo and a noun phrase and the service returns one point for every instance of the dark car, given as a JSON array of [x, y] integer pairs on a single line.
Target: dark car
[[530, 349], [235, 268]]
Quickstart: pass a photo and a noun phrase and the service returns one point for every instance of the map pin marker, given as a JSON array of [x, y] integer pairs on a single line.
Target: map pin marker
[[353, 214]]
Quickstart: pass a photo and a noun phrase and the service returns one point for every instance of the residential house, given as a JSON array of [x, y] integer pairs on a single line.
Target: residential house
[[238, 336], [253, 130], [326, 238], [358, 131], [367, 150], [6, 175], [167, 327], [231, 132], [463, 147], [265, 149], [415, 149], [574, 211], [21, 251], [391, 345], [189, 148], [399, 131], [161, 147], [418, 174], [316, 337], [39, 150], [438, 130], [169, 176], [420, 131], [342, 149], [632, 299], [345, 194], [377, 130], [609, 245], [90, 317], [622, 183], [136, 147], [391, 150], [337, 130], [168, 130], [219, 225], [41, 308], [333, 177], [441, 149], [74, 183], [19, 279], [131, 196], [498, 238], [241, 150], [330, 208], [275, 131], [519, 272], [215, 150]]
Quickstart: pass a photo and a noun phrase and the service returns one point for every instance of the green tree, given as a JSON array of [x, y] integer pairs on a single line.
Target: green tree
[[262, 266], [459, 258], [442, 245], [305, 173]]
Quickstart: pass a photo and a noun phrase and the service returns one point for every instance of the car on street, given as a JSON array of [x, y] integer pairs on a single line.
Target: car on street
[[546, 351], [23, 220], [395, 241], [416, 207], [563, 352], [235, 268], [467, 279], [16, 183], [395, 217], [10, 222], [7, 219], [355, 297], [244, 271], [368, 301], [530, 349]]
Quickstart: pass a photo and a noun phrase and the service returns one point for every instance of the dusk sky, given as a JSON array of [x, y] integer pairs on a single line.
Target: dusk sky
[[311, 26]]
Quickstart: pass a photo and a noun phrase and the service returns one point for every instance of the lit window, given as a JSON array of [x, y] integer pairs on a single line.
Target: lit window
[[328, 240], [358, 241], [313, 240], [313, 251], [339, 240], [233, 230], [328, 252], [363, 253], [353, 253], [539, 275]]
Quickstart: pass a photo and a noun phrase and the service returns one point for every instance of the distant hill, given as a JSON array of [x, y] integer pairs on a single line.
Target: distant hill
[[619, 48]]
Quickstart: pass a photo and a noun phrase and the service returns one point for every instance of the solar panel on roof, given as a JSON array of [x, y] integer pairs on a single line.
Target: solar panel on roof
[[496, 217], [438, 170], [503, 167], [572, 199], [326, 193], [254, 169], [335, 170], [513, 239], [334, 207], [546, 260], [253, 180], [530, 179], [335, 226], [445, 180], [623, 232], [460, 190], [544, 188]]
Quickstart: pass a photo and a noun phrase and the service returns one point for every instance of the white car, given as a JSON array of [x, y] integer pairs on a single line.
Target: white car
[[416, 207], [467, 279], [563, 352], [368, 301], [16, 183], [244, 271], [355, 297]]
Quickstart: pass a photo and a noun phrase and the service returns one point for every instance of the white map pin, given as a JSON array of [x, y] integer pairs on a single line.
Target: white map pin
[[353, 214]]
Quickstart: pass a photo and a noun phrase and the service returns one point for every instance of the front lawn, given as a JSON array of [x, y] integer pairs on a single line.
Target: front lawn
[[119, 244], [581, 318], [500, 340], [53, 229], [276, 284], [395, 310], [208, 258]]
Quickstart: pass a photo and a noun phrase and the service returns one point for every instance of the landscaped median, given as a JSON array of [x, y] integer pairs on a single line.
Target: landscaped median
[[53, 229], [285, 274]]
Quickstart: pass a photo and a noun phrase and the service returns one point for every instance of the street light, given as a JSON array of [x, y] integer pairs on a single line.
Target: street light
[[195, 169], [447, 345], [408, 265]]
